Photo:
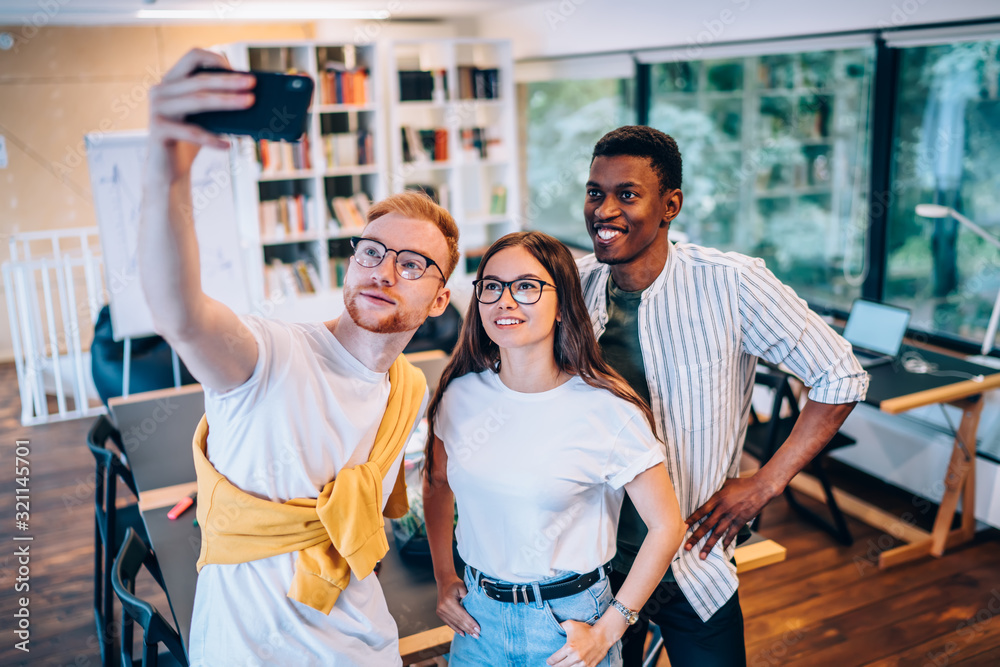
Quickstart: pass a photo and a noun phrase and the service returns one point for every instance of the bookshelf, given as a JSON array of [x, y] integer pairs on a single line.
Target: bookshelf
[[453, 132], [298, 202], [786, 125]]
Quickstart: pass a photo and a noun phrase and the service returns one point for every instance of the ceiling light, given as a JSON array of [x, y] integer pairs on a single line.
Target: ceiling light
[[267, 12]]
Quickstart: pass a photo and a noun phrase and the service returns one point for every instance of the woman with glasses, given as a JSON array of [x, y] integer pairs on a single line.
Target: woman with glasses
[[538, 439]]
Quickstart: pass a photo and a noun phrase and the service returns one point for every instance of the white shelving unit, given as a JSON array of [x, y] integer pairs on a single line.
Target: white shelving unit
[[321, 240], [464, 180]]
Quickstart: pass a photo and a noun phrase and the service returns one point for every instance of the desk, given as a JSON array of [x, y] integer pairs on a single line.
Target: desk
[[410, 590], [156, 428], [895, 390]]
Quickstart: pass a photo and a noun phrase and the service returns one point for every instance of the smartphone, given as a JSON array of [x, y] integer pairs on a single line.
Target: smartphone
[[279, 111]]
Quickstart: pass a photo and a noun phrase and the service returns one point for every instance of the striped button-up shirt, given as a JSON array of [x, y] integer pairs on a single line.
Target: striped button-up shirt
[[703, 323]]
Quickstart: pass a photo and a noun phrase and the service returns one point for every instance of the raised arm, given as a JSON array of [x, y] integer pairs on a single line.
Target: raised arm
[[215, 345]]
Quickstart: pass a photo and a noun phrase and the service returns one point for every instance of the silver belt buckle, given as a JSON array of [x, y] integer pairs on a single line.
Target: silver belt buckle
[[524, 592], [483, 581]]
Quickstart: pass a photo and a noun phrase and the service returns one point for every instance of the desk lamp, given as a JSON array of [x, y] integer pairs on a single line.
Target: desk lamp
[[937, 211]]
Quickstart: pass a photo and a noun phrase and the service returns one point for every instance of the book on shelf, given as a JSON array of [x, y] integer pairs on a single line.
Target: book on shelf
[[423, 145], [278, 59], [423, 85], [473, 146], [478, 83], [307, 276], [473, 258], [348, 149], [286, 216], [439, 193], [338, 268], [363, 202], [282, 156], [291, 280], [413, 150], [498, 200], [340, 85], [496, 147], [480, 143], [349, 213]]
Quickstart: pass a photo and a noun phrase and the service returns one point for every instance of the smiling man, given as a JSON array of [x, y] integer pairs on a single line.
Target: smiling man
[[305, 423], [685, 326]]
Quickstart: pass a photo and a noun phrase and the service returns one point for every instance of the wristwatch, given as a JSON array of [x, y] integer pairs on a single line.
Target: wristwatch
[[630, 616]]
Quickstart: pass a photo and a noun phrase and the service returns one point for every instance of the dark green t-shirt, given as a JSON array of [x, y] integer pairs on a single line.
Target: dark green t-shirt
[[622, 350]]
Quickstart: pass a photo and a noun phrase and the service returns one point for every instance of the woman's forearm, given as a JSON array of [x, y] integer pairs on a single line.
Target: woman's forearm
[[651, 563], [439, 517], [654, 498]]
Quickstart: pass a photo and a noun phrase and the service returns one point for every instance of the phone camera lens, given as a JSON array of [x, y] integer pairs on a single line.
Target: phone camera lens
[[296, 84]]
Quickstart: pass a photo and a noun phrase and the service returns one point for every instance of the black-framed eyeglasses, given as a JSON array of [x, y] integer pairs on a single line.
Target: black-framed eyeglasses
[[410, 265], [523, 290]]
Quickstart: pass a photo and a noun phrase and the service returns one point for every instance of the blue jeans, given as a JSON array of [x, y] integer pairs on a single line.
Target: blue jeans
[[525, 635]]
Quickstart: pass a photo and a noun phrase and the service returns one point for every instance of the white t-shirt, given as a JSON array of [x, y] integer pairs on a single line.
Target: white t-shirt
[[538, 477], [308, 409]]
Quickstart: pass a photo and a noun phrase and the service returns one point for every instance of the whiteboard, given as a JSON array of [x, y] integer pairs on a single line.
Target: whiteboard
[[116, 163]]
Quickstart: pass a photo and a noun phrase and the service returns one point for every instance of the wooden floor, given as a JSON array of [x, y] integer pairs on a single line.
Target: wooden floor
[[825, 605]]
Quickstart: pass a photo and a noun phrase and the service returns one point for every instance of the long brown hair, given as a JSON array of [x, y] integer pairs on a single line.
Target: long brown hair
[[575, 347]]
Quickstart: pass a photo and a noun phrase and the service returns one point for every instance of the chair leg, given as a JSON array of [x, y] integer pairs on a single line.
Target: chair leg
[[102, 635], [838, 528], [125, 640], [842, 532], [109, 610], [149, 653], [655, 647]]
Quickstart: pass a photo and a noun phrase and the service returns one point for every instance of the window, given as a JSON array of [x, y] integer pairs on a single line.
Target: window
[[775, 151], [565, 118], [946, 144]]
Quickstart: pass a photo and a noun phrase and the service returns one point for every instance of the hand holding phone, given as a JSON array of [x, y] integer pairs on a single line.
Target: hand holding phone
[[279, 111]]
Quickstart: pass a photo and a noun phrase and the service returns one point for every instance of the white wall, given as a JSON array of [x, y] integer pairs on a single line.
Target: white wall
[[367, 32], [589, 26]]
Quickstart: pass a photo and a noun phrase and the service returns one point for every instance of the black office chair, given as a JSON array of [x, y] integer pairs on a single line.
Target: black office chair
[[135, 555], [764, 438], [110, 525]]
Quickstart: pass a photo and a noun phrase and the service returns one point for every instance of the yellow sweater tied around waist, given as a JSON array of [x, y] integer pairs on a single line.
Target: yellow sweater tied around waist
[[335, 534]]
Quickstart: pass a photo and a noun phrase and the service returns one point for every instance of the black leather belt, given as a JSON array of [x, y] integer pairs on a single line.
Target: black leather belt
[[505, 592]]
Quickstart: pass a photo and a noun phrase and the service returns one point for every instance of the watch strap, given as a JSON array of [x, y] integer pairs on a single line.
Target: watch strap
[[630, 616]]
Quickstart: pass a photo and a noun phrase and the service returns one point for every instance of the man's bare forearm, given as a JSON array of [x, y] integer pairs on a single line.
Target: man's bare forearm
[[815, 427]]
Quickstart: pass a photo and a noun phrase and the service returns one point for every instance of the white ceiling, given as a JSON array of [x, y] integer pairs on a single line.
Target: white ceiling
[[88, 12]]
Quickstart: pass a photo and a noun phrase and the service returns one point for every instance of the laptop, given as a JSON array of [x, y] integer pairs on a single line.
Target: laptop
[[876, 331]]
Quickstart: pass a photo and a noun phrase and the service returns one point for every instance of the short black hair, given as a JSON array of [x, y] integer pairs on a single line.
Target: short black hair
[[644, 141]]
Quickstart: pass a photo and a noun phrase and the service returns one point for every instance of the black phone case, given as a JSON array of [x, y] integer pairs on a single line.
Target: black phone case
[[279, 111]]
